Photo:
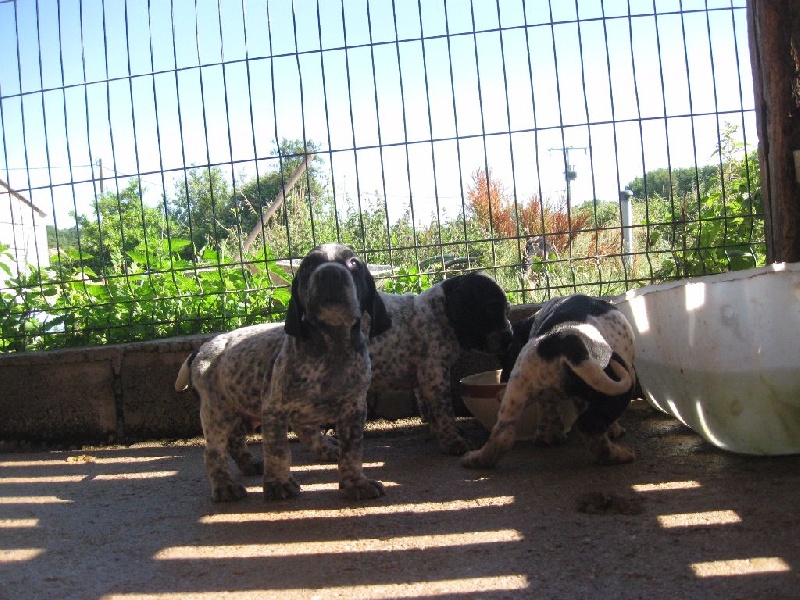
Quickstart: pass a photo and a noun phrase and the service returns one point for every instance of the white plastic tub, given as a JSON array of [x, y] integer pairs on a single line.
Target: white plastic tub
[[722, 354]]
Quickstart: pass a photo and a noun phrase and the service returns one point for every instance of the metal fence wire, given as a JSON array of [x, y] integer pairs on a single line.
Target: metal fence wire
[[164, 165]]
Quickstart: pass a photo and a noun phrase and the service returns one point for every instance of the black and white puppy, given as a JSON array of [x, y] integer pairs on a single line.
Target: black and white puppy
[[321, 337], [227, 374], [574, 349], [428, 333], [322, 372]]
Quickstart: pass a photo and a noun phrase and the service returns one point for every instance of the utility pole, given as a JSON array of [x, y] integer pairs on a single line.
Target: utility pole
[[570, 174], [626, 214], [100, 166]]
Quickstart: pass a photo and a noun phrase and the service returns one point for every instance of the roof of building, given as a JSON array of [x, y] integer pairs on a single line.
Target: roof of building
[[4, 187]]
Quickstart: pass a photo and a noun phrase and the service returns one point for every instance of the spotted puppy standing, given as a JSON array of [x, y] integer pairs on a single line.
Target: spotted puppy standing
[[230, 370], [227, 374], [428, 333], [577, 349], [322, 372]]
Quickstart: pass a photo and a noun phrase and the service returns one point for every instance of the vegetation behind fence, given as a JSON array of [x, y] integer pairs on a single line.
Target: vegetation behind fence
[[209, 247]]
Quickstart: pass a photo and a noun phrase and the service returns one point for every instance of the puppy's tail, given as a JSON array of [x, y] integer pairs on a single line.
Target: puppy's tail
[[184, 379], [596, 377]]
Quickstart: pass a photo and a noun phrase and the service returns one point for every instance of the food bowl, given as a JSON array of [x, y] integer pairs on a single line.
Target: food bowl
[[722, 354], [482, 394]]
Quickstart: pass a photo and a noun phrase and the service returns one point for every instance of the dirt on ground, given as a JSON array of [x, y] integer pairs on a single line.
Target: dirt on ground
[[684, 520]]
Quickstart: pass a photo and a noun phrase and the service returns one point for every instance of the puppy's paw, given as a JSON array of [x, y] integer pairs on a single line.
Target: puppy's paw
[[620, 455], [281, 490], [254, 467], [454, 446], [230, 492], [607, 452], [616, 430], [476, 460], [363, 489]]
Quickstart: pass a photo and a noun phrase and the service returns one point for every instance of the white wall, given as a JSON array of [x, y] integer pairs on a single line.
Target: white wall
[[22, 228]]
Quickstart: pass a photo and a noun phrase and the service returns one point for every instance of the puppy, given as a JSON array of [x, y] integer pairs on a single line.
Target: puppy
[[577, 349], [428, 333], [228, 374], [322, 372], [414, 342]]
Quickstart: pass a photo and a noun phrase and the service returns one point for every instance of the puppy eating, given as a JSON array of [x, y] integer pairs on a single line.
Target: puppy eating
[[428, 334], [575, 349]]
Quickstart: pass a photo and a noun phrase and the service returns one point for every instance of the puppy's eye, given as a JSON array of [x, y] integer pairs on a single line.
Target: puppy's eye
[[353, 263]]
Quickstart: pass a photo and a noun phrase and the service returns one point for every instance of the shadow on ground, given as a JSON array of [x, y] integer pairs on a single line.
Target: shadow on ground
[[137, 522]]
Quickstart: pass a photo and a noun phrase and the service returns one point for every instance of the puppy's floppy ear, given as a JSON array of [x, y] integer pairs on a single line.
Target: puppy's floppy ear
[[295, 324], [454, 306], [372, 303]]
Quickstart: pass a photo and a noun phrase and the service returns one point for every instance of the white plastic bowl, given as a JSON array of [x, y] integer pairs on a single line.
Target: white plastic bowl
[[482, 394], [722, 354]]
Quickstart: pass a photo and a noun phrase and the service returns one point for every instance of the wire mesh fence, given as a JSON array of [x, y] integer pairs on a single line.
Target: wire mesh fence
[[163, 165]]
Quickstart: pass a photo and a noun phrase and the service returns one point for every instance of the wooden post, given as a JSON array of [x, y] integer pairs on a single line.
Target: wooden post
[[251, 237], [774, 31]]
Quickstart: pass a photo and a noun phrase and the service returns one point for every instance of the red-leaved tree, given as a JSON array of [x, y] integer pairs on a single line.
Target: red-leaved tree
[[496, 213]]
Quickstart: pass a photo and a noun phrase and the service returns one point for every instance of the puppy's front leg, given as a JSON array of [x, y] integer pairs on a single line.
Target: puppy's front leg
[[596, 422], [550, 426], [434, 396], [350, 431], [501, 440], [278, 481]]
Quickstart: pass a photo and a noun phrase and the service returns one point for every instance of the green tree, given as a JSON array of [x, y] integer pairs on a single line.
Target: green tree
[[203, 209], [600, 215], [718, 229], [121, 223], [680, 183], [304, 215]]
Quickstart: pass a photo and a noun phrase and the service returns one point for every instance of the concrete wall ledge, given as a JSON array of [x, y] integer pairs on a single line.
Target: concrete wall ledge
[[96, 395], [125, 393]]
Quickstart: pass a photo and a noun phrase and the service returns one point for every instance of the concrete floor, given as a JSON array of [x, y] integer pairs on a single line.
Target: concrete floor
[[684, 520]]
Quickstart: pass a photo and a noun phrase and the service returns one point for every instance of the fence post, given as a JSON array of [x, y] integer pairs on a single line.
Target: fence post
[[626, 213], [774, 32]]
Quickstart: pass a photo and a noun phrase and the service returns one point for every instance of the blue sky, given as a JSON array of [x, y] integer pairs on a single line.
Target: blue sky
[[397, 106]]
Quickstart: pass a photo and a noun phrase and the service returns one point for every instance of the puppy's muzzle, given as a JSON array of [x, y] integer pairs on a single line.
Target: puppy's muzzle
[[332, 296]]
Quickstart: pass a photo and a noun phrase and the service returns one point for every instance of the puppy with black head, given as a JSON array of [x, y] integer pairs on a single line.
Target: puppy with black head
[[575, 349], [322, 371], [428, 333]]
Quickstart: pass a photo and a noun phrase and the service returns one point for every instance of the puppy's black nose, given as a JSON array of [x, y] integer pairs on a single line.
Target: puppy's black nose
[[329, 281]]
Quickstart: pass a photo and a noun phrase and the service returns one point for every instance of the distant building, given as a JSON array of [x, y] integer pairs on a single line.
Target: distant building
[[23, 230]]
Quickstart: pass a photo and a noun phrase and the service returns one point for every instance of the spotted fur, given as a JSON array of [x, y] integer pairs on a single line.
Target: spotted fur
[[312, 370], [322, 373], [576, 350], [428, 333]]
